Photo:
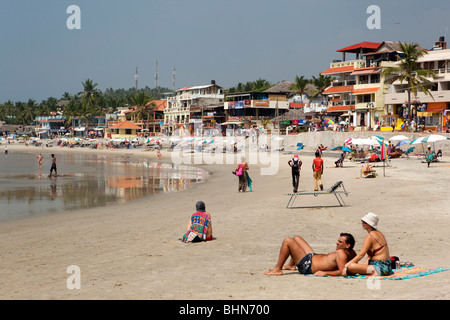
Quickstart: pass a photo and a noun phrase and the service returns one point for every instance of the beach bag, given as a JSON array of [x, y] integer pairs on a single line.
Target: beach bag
[[394, 260], [239, 171]]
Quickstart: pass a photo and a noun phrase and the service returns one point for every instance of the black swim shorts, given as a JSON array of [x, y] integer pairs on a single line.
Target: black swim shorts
[[304, 266]]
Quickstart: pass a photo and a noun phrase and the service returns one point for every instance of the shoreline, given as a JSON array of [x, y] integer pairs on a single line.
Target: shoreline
[[132, 251]]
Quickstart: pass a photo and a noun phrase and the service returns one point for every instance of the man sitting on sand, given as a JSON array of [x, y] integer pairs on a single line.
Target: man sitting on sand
[[307, 261]]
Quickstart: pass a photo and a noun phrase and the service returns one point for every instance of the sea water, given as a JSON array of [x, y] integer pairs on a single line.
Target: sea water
[[83, 181]]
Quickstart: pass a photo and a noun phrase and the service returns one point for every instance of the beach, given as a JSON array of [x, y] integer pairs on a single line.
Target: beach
[[133, 251]]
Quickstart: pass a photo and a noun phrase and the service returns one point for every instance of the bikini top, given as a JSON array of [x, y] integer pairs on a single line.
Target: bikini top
[[371, 252]]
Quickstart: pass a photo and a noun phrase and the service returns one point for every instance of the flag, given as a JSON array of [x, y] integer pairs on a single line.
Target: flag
[[383, 156]]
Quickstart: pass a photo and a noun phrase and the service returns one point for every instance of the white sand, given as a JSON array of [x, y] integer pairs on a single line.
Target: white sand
[[132, 251]]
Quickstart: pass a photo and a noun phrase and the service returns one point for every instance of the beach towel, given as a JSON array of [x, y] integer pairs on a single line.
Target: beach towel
[[401, 274], [249, 181]]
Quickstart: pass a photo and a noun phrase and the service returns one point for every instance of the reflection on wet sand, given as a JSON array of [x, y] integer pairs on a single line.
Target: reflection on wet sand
[[85, 182]]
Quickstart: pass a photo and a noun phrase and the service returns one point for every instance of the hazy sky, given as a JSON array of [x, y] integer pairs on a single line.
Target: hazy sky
[[229, 41]]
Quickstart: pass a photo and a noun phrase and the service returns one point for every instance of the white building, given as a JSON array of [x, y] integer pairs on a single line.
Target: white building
[[177, 114], [432, 109]]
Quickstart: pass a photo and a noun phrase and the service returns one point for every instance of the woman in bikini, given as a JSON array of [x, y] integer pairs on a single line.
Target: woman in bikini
[[376, 248]]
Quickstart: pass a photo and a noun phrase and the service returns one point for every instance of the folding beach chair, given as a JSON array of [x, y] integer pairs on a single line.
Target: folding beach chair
[[332, 191]]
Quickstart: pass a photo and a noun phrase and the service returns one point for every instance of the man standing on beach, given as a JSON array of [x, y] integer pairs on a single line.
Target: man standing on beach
[[307, 261], [53, 166], [296, 165], [317, 167]]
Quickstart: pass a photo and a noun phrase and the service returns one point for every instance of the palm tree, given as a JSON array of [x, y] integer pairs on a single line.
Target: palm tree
[[144, 108], [409, 71], [89, 96], [321, 83], [299, 86]]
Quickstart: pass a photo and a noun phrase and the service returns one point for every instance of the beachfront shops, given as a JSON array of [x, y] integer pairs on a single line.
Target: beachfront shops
[[250, 109]]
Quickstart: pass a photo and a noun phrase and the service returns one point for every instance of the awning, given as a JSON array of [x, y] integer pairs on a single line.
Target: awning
[[365, 90], [341, 89], [365, 71], [337, 70], [340, 108], [436, 106]]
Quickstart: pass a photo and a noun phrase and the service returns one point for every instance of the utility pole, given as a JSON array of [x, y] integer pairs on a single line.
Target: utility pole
[[136, 77], [173, 78], [156, 74]]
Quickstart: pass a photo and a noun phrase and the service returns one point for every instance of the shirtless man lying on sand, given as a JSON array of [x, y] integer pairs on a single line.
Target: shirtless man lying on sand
[[307, 261]]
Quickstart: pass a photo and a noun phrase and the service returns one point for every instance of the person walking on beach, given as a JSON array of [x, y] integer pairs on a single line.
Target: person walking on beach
[[295, 164], [429, 156], [40, 158], [241, 173], [199, 226], [53, 167], [317, 167], [307, 261], [376, 248], [6, 149]]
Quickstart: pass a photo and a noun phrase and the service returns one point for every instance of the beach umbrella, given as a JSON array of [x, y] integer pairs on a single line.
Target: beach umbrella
[[402, 142], [343, 122], [430, 138], [328, 121], [399, 137], [343, 148]]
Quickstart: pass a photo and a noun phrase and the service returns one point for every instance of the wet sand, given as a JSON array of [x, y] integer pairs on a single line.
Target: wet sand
[[132, 251]]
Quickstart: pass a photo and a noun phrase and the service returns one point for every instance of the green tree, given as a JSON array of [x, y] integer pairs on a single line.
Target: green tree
[[409, 71], [321, 83], [89, 96], [299, 86], [143, 107]]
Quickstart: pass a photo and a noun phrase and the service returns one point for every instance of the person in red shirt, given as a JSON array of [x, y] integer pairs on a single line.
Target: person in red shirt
[[317, 167]]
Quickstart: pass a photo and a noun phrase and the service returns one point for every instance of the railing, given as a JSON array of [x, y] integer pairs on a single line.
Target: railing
[[343, 83]]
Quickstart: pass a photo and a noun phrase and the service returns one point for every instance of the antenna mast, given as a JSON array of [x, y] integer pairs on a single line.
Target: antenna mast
[[173, 78], [136, 77], [156, 74]]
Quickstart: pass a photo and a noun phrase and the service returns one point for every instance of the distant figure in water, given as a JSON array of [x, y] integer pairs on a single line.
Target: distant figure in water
[[53, 166], [40, 157]]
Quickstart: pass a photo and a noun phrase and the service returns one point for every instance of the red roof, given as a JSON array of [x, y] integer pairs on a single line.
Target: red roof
[[339, 70], [125, 125], [339, 108], [365, 90], [341, 89], [364, 46]]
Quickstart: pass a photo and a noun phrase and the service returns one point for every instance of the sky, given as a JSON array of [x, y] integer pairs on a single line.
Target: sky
[[229, 41]]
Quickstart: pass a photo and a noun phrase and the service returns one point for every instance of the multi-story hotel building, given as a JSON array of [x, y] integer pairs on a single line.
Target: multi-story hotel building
[[177, 114], [432, 110]]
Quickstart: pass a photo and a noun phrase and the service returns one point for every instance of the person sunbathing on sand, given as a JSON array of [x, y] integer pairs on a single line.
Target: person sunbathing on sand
[[307, 261]]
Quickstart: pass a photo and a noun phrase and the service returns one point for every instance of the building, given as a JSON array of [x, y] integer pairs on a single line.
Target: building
[[249, 108], [342, 94], [52, 126], [177, 113], [432, 110]]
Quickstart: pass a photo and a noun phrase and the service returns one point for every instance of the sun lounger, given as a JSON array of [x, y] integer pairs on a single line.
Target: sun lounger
[[331, 191]]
